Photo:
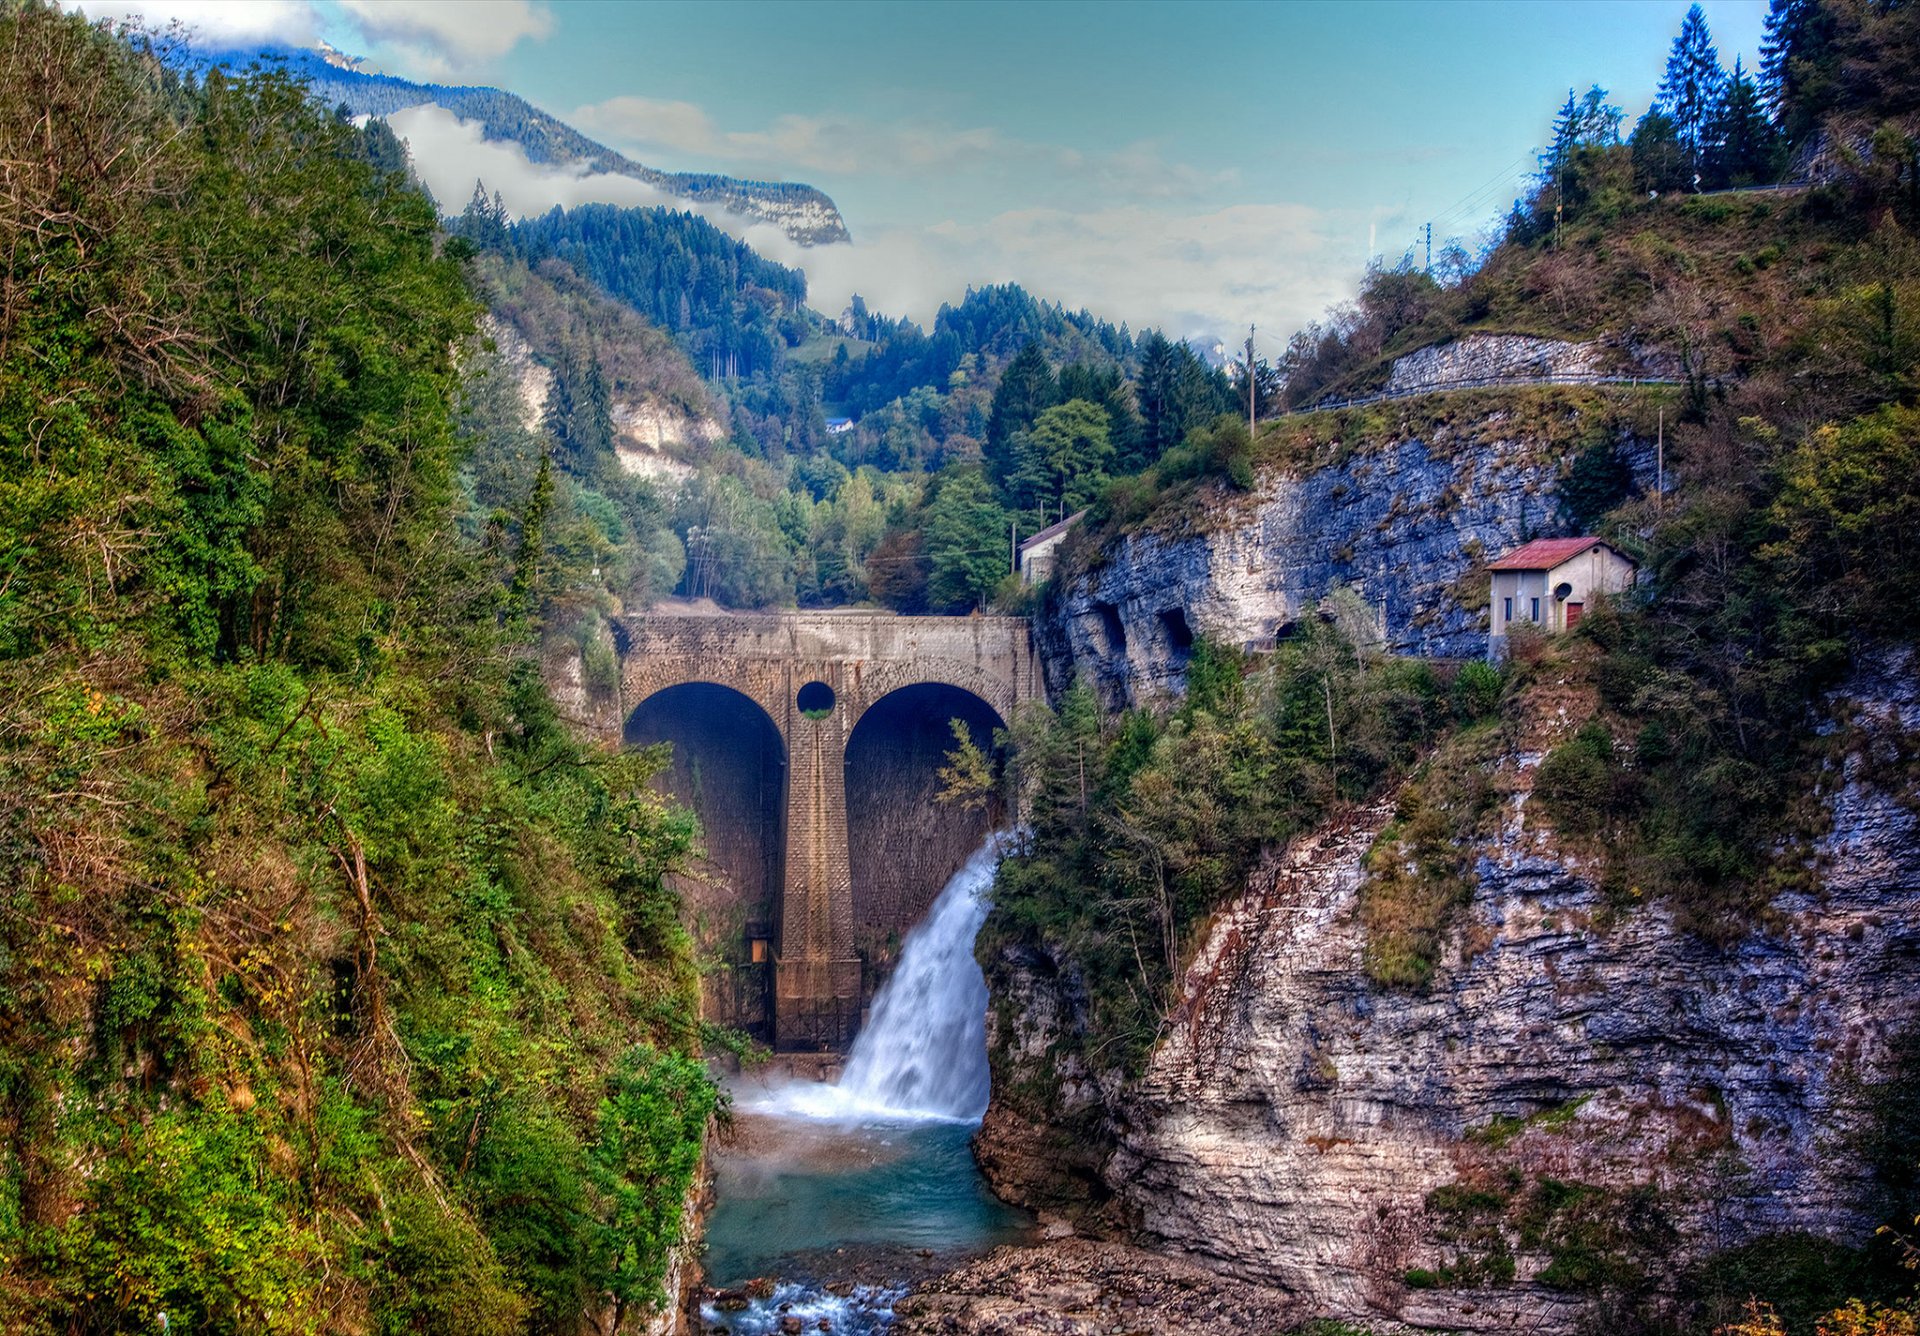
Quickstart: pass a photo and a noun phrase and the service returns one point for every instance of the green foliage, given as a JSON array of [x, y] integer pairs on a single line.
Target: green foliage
[[646, 1154], [1476, 690], [1061, 464], [1598, 479], [965, 541], [314, 923], [1141, 826], [716, 295], [1800, 1277], [1420, 870]]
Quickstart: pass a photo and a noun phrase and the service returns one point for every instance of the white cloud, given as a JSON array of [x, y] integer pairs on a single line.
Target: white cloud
[[839, 144], [439, 38], [449, 154], [1203, 275], [218, 23], [1192, 272], [846, 146]]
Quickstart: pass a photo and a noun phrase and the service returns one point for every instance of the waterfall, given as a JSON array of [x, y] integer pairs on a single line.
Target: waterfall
[[923, 1052]]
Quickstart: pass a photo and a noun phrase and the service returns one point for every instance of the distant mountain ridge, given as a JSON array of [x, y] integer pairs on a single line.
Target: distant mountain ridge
[[806, 214]]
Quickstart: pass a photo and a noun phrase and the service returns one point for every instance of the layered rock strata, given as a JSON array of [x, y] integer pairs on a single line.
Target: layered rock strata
[[1625, 1097]]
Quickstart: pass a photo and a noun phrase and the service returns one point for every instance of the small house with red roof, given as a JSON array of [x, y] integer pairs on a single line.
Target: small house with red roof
[[1550, 583]]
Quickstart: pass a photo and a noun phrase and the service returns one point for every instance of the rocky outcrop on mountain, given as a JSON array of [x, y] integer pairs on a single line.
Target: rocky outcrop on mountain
[[1491, 359], [1583, 1096], [645, 430], [804, 213], [1407, 526]]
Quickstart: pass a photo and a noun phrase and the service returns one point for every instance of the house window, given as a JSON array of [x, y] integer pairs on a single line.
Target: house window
[[1506, 610], [1536, 609]]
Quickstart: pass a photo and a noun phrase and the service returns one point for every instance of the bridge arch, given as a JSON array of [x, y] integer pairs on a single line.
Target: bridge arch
[[885, 684], [729, 764], [903, 842]]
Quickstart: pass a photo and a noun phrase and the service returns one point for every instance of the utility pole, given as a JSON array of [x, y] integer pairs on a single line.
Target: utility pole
[[1013, 545], [1250, 381], [1660, 464], [1429, 250]]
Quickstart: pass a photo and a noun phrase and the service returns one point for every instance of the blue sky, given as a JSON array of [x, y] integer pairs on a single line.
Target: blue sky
[[1191, 165]]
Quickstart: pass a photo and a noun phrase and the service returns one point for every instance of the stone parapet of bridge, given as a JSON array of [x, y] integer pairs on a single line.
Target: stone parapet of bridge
[[859, 658]]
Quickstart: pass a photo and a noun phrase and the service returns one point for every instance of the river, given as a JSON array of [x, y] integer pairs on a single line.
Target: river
[[829, 1200]]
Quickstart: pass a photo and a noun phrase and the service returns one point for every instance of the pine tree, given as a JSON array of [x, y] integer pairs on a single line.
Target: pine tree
[[1799, 63], [1566, 136], [1026, 390], [580, 409], [1691, 91], [1746, 146]]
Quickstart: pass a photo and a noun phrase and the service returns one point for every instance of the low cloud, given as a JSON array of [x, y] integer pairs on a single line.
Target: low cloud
[[847, 146], [837, 144], [450, 154], [1202, 274], [440, 38]]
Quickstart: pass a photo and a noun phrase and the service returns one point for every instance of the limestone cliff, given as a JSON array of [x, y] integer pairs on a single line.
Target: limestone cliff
[[1569, 1096], [1407, 525]]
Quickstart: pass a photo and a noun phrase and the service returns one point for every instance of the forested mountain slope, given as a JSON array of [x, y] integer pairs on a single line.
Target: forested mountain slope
[[806, 214], [339, 990]]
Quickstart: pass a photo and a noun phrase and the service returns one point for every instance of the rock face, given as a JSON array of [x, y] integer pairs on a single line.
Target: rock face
[[1084, 1288], [644, 429], [1486, 359], [1642, 1094], [1406, 526]]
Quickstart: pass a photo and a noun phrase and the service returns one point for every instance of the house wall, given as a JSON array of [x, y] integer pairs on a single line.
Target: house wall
[[1522, 587], [1597, 572], [1036, 562], [1601, 571]]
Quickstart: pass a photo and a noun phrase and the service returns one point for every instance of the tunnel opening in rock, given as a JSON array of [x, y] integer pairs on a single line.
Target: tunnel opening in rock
[[1112, 628], [904, 843], [1173, 624], [729, 765]]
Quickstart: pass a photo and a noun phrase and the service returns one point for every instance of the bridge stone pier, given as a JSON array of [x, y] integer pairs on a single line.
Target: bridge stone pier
[[815, 677]]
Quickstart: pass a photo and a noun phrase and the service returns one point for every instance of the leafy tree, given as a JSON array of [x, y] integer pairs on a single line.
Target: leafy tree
[[1063, 461], [967, 536], [1660, 160], [1598, 479], [1026, 390], [336, 846]]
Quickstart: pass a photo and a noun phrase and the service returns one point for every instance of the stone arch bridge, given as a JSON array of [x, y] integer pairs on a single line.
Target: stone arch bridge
[[777, 721]]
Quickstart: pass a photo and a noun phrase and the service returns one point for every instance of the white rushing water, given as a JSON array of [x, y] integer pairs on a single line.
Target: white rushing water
[[923, 1053]]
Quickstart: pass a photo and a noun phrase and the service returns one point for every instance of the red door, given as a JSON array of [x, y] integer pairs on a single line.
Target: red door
[[1573, 614]]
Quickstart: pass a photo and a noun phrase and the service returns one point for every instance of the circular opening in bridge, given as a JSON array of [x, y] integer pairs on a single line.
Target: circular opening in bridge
[[815, 700]]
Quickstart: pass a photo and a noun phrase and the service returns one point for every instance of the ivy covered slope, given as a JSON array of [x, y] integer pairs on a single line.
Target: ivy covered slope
[[338, 990]]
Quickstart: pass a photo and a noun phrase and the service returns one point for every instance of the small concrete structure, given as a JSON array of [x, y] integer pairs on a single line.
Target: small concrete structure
[[1550, 583], [1038, 552]]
